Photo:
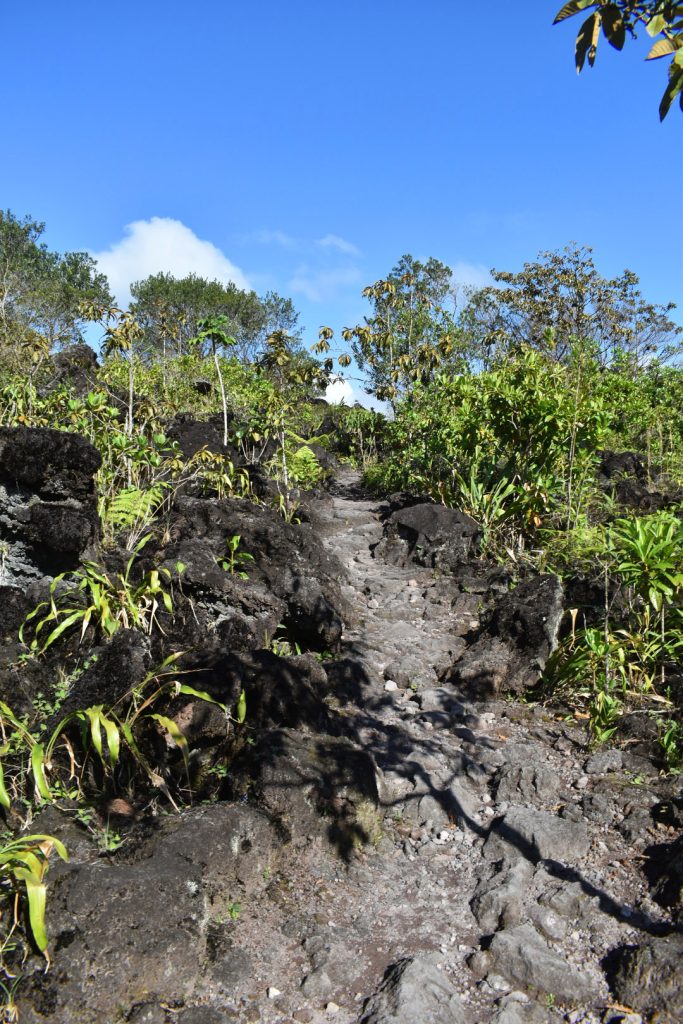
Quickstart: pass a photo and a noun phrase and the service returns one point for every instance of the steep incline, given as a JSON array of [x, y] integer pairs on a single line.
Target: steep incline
[[507, 860]]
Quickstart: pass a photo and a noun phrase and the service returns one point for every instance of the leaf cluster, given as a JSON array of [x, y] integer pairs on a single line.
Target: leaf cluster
[[616, 18]]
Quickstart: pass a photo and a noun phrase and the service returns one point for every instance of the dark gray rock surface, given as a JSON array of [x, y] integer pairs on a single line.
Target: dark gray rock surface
[[414, 990], [523, 957], [649, 977]]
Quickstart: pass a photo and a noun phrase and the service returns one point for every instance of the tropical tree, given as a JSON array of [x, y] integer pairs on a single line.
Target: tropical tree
[[170, 309], [42, 292], [411, 331], [616, 18], [561, 298], [216, 331]]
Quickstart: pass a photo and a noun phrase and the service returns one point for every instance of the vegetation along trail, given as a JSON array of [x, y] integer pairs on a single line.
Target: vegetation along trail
[[311, 713]]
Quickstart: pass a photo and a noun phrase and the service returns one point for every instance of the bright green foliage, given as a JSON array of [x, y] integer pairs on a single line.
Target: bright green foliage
[[671, 742], [648, 553], [617, 17], [646, 415], [23, 866], [359, 433], [91, 597], [131, 509], [304, 469], [234, 559], [112, 735], [616, 664], [170, 311], [498, 444]]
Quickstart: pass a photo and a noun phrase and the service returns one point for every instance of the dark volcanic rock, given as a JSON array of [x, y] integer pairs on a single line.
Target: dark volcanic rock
[[14, 607], [192, 435], [625, 475], [130, 934], [288, 559], [48, 509], [53, 464], [665, 874], [650, 978], [519, 636], [429, 535], [313, 785], [414, 990], [76, 366], [280, 691], [114, 669]]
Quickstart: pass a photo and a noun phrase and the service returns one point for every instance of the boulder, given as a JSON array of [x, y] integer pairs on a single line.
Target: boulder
[[522, 956], [627, 478], [280, 691], [132, 934], [537, 835], [289, 560], [430, 535], [313, 785], [519, 634], [76, 366], [48, 506], [649, 977], [413, 990]]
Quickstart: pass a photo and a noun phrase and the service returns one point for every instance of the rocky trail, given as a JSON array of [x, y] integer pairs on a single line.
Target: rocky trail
[[474, 863]]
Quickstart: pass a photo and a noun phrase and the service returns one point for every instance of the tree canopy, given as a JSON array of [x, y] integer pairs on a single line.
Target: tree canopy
[[41, 292], [411, 329], [560, 299], [170, 310], [617, 18]]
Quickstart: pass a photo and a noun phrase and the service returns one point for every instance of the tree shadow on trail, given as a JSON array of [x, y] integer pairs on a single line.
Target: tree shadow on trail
[[395, 748]]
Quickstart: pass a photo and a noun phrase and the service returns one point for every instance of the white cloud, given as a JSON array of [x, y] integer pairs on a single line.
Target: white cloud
[[340, 244], [162, 244], [322, 285], [340, 391]]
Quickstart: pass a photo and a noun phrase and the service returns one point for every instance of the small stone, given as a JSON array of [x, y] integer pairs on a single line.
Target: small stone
[[273, 992], [331, 1008], [582, 782], [391, 686], [497, 983]]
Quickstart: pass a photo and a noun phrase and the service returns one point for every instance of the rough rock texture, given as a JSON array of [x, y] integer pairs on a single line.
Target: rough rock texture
[[280, 691], [289, 560], [156, 943], [367, 813], [48, 511], [414, 990], [520, 633], [537, 835], [649, 978], [523, 957], [429, 535], [314, 785], [75, 365], [628, 479]]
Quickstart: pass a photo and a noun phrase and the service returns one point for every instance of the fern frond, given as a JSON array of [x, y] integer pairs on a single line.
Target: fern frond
[[130, 507]]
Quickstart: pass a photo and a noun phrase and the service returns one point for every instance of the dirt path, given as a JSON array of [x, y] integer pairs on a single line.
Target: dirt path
[[555, 881]]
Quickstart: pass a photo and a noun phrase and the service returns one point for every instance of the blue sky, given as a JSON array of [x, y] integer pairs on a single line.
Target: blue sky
[[304, 147]]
